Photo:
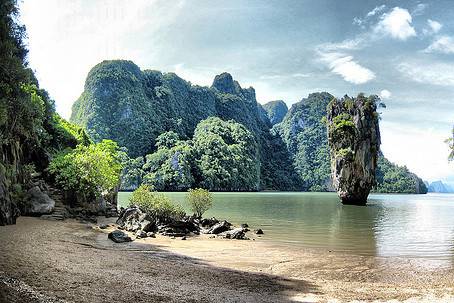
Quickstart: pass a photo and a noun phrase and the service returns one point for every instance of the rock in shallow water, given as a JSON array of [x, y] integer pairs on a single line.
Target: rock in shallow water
[[119, 237], [259, 231], [354, 141]]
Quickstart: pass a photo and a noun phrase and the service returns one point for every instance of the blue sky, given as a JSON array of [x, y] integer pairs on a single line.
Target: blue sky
[[401, 50]]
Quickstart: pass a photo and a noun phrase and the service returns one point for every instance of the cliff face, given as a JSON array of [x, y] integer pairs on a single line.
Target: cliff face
[[275, 111], [133, 107], [354, 141]]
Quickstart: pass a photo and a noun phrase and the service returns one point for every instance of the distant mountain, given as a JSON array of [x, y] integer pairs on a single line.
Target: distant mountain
[[440, 187], [133, 107], [304, 131], [275, 111]]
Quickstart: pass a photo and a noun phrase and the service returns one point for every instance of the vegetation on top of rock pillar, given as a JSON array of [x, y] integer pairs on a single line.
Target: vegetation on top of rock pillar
[[450, 142], [354, 141]]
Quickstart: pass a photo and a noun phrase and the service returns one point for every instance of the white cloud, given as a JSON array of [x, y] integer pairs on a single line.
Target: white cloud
[[422, 150], [396, 23], [348, 44], [434, 26], [437, 73], [443, 44], [346, 67], [385, 94], [283, 76], [362, 21], [376, 10], [419, 9]]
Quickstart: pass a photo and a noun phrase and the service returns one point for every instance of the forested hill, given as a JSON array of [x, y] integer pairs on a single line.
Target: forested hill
[[304, 131], [133, 107]]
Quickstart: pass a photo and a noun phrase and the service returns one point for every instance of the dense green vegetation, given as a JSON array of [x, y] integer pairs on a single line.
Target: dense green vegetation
[[118, 97], [450, 142], [392, 178], [275, 111], [155, 204], [222, 155], [304, 132], [87, 171], [200, 200], [30, 130]]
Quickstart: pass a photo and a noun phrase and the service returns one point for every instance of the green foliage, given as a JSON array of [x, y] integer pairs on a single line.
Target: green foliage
[[226, 156], [304, 132], [200, 200], [275, 111], [132, 173], [221, 156], [392, 178], [118, 97], [450, 142], [87, 171], [155, 204], [170, 167]]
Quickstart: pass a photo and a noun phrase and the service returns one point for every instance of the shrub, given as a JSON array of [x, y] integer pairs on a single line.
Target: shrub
[[88, 171], [155, 204], [200, 200]]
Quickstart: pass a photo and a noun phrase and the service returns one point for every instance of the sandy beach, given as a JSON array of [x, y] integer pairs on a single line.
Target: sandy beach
[[48, 261]]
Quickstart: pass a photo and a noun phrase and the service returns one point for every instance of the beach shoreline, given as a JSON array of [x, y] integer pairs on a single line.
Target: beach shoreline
[[76, 262]]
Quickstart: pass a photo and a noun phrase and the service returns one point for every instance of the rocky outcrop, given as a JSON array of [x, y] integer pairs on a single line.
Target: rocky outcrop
[[354, 141], [143, 225], [38, 202], [119, 237], [275, 111], [8, 209]]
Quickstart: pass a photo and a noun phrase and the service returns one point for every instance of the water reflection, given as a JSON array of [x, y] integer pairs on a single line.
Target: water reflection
[[416, 226]]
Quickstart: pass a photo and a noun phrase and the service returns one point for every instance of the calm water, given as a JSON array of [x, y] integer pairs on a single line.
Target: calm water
[[417, 226]]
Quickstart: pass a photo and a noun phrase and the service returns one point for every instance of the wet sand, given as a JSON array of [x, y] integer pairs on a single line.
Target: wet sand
[[47, 261]]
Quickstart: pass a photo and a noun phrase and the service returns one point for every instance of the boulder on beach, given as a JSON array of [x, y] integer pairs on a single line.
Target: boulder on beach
[[259, 231], [219, 228], [38, 202], [237, 233], [119, 237]]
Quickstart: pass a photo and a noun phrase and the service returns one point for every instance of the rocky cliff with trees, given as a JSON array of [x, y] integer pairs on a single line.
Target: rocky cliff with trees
[[354, 141], [291, 144], [32, 134]]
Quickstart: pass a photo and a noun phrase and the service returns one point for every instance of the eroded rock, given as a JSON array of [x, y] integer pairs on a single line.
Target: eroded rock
[[119, 237], [354, 141], [38, 202]]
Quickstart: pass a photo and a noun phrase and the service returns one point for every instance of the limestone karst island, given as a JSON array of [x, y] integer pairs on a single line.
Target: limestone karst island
[[226, 151]]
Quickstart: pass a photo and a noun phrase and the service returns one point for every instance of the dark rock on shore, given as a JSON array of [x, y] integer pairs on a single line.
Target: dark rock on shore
[[259, 231], [208, 222], [237, 233], [119, 237], [134, 219], [219, 228]]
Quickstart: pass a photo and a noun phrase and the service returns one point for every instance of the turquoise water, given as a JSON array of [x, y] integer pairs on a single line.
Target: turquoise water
[[419, 226]]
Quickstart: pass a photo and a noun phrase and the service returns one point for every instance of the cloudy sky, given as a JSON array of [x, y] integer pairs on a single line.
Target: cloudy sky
[[401, 50]]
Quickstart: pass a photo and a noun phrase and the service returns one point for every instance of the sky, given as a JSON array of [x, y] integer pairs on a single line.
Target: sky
[[285, 49]]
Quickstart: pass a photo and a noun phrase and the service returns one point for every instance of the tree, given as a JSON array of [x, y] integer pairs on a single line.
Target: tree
[[155, 204], [226, 155], [88, 171], [200, 200]]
